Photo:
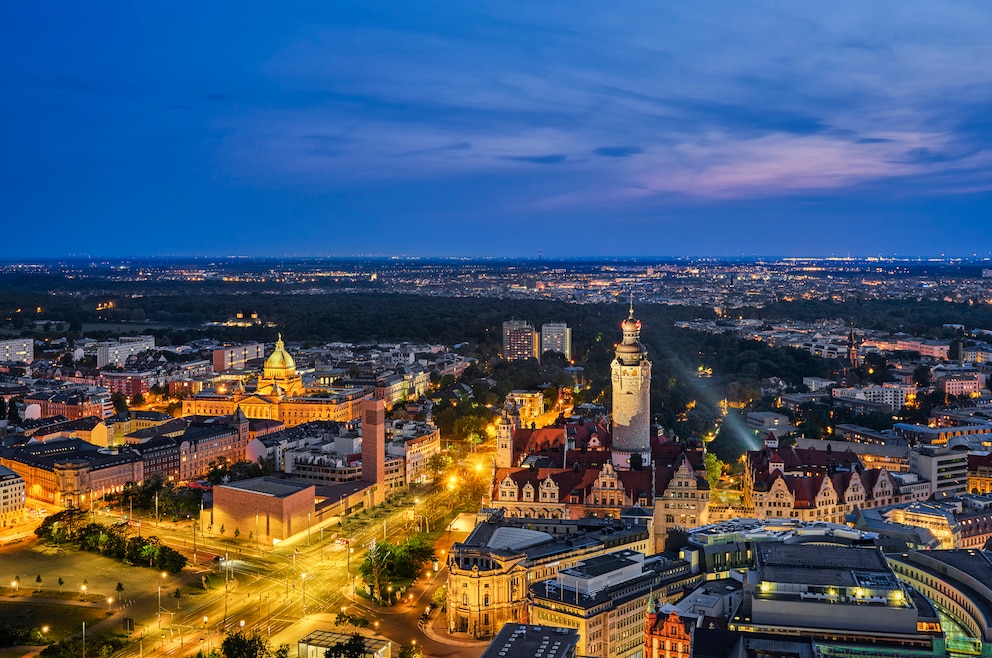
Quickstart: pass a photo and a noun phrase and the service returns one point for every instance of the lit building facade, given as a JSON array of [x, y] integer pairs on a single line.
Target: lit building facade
[[489, 573], [116, 352], [847, 599], [269, 508], [605, 598], [12, 498], [520, 340], [959, 581], [17, 350], [631, 376], [556, 337], [74, 403], [236, 357], [71, 472]]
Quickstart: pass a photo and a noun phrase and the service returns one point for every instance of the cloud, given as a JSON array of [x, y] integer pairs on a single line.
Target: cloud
[[618, 151], [551, 158], [784, 100]]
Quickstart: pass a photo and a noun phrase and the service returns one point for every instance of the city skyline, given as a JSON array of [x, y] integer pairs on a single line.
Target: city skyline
[[488, 131]]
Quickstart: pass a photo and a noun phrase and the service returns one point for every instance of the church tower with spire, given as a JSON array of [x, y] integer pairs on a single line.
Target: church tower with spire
[[631, 375], [852, 347]]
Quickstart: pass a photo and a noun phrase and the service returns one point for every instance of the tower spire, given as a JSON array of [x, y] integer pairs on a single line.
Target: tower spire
[[631, 302]]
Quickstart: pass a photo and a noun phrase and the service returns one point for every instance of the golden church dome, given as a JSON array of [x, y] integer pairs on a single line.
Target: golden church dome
[[280, 358]]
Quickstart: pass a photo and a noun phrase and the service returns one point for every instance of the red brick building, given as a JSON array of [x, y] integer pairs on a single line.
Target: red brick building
[[268, 509], [666, 635]]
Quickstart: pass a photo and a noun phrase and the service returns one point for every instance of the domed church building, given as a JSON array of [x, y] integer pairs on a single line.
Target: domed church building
[[279, 395], [279, 374]]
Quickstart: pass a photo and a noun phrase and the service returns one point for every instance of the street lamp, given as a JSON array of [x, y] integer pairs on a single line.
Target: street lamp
[[110, 602], [303, 577]]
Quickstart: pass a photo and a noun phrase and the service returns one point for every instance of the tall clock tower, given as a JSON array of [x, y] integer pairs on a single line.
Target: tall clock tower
[[631, 374]]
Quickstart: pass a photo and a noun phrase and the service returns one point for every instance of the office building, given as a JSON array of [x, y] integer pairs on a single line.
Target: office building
[[518, 640], [960, 582], [605, 598], [945, 468], [847, 599]]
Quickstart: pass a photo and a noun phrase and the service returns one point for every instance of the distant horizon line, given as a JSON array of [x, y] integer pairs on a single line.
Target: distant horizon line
[[972, 258]]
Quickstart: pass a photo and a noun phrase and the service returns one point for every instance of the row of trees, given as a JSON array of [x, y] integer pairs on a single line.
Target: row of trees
[[177, 502], [99, 644], [116, 541]]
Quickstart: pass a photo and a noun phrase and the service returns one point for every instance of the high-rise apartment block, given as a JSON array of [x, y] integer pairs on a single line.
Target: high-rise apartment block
[[116, 353], [556, 337], [17, 349], [520, 340]]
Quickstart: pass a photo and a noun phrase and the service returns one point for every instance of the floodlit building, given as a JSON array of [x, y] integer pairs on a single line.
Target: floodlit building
[[71, 472], [269, 508], [279, 396], [894, 396], [489, 573], [12, 498], [631, 376], [528, 404]]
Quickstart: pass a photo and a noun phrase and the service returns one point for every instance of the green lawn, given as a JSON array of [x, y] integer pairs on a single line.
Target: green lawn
[[62, 620]]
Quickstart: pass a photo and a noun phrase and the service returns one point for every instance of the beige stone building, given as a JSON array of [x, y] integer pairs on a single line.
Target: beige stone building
[[12, 498], [489, 573]]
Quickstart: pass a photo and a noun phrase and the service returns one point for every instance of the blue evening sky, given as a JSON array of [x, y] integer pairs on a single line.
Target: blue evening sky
[[496, 128]]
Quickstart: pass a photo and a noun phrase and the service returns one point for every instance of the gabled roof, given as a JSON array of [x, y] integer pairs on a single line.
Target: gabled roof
[[636, 483]]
